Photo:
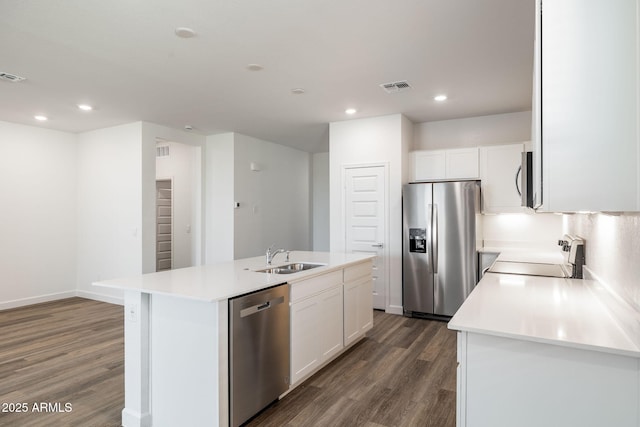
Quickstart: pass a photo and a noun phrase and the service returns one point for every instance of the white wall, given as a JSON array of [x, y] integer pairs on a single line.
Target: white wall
[[522, 230], [612, 249], [150, 133], [320, 204], [109, 208], [219, 198], [474, 131], [38, 215], [180, 167], [275, 203], [377, 140]]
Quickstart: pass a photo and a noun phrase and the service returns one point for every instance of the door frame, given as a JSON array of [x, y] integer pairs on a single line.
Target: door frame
[[387, 212]]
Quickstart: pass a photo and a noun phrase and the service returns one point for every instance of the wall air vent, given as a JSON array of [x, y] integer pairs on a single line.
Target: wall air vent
[[162, 151], [10, 77], [394, 87]]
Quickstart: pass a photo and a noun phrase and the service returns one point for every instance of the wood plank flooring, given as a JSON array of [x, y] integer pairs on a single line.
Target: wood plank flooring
[[72, 351], [402, 374], [64, 352]]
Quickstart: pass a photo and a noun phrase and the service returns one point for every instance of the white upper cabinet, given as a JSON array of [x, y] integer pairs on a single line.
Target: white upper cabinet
[[499, 175], [586, 111], [459, 163]]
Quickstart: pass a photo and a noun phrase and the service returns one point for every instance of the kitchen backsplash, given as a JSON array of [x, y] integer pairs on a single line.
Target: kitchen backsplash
[[522, 231], [612, 249]]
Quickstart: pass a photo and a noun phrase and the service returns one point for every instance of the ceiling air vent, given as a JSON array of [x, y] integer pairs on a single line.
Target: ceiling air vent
[[394, 87], [10, 77]]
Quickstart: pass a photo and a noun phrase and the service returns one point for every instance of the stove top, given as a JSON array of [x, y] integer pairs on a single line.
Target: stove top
[[530, 269]]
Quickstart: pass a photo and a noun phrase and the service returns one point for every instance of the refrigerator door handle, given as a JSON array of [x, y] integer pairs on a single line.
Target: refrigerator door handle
[[434, 238]]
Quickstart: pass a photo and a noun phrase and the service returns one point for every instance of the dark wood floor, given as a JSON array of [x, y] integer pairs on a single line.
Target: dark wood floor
[[64, 352], [402, 374], [72, 351]]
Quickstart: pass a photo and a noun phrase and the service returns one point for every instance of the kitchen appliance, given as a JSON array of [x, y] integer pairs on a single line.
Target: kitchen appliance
[[573, 250], [524, 180], [259, 349], [439, 261]]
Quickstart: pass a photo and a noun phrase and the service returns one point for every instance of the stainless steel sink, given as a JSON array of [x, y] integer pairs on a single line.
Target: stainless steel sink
[[291, 268]]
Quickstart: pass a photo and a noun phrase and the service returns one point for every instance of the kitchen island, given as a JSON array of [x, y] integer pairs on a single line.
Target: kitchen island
[[176, 330], [536, 351]]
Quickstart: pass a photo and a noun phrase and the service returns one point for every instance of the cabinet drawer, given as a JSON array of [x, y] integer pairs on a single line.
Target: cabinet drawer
[[308, 287], [357, 271]]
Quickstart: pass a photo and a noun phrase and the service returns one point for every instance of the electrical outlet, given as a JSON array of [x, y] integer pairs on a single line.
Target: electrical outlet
[[131, 312]]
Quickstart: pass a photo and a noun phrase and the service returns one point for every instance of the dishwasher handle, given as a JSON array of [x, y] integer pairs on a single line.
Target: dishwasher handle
[[261, 307]]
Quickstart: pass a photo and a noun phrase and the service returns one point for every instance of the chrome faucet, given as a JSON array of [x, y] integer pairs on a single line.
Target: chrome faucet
[[271, 254]]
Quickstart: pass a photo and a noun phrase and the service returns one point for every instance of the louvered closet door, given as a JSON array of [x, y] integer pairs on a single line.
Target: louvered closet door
[[163, 225]]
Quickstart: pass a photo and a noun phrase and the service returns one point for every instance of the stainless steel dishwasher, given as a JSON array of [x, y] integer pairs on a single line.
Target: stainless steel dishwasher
[[259, 361]]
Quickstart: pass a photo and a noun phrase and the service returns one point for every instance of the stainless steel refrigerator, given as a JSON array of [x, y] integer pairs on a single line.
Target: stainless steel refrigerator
[[439, 260]]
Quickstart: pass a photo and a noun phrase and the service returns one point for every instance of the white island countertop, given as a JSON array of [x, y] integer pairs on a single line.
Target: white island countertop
[[567, 312], [217, 282]]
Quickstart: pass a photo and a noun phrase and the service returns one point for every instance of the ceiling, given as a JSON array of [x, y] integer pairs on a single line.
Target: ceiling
[[123, 57]]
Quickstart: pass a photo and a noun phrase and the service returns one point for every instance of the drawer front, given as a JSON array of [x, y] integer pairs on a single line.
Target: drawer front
[[357, 271], [309, 287]]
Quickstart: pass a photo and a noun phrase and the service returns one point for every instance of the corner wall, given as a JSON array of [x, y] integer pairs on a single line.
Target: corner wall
[[612, 249], [275, 203], [109, 208], [472, 132], [38, 216], [377, 140]]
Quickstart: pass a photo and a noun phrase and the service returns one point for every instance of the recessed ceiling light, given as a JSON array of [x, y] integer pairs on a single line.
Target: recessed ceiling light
[[85, 107], [440, 98], [185, 33], [350, 111], [255, 67], [297, 91], [41, 118]]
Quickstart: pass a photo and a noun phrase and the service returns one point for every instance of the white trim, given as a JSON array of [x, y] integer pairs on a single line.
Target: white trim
[[394, 309], [387, 213], [100, 297], [23, 302], [6, 305]]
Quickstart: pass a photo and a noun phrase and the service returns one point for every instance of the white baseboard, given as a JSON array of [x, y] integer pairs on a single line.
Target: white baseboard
[[100, 297], [395, 309], [5, 305], [131, 418]]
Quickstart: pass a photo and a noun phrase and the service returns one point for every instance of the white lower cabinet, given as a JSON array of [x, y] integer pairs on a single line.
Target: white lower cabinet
[[505, 382], [321, 309]]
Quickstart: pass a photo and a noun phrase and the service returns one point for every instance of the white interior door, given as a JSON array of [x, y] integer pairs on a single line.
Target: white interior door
[[365, 222]]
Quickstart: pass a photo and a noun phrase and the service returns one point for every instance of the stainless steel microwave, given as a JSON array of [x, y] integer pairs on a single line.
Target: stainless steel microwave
[[524, 180]]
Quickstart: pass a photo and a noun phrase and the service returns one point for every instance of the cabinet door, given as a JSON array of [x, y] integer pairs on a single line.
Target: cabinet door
[[462, 163], [305, 346], [429, 165], [589, 115], [358, 309], [316, 331], [331, 324], [499, 166]]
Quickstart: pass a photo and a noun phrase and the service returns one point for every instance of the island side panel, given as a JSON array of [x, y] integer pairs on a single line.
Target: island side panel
[[513, 382], [136, 412], [184, 362]]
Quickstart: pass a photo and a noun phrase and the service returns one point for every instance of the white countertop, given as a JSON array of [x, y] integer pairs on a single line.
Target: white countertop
[[225, 280], [568, 312]]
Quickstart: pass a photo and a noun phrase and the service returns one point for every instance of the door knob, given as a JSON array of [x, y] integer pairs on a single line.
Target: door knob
[[377, 245]]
